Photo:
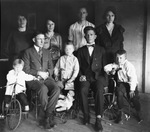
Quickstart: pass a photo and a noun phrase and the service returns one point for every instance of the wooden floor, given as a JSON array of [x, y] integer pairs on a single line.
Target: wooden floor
[[75, 125]]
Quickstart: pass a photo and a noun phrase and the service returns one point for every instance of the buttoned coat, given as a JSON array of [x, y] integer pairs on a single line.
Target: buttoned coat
[[97, 64], [33, 62]]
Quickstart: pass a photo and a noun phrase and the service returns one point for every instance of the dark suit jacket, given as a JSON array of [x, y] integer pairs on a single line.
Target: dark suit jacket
[[98, 61], [33, 63]]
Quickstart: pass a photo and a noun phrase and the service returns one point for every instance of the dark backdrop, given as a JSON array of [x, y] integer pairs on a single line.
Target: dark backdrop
[[62, 12]]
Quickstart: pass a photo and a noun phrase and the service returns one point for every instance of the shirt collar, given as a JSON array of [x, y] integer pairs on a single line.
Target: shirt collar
[[69, 56], [123, 63], [37, 48]]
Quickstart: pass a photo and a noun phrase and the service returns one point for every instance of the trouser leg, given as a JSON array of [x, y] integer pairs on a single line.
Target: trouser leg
[[84, 90], [54, 92], [136, 101], [121, 91], [23, 99], [7, 99], [42, 91], [99, 99]]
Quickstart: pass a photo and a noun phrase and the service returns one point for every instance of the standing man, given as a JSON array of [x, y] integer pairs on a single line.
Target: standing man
[[19, 40], [38, 62], [91, 75], [76, 33]]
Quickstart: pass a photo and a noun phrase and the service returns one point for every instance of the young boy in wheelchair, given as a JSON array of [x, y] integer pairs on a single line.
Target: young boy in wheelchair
[[126, 83], [16, 78], [65, 72]]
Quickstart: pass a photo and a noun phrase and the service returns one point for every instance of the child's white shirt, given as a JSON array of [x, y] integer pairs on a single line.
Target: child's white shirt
[[19, 79]]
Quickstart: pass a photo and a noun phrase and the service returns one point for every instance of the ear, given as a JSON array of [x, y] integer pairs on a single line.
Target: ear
[[33, 39]]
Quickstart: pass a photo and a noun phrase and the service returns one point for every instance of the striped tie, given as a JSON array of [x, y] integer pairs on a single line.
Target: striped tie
[[40, 52]]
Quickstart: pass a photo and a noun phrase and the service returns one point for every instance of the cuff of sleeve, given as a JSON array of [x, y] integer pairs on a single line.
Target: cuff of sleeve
[[37, 73], [132, 87]]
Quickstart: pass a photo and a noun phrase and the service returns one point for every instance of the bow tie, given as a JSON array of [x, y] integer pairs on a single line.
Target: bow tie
[[92, 45]]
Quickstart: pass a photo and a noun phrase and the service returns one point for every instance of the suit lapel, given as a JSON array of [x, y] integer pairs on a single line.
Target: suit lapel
[[86, 54], [95, 51]]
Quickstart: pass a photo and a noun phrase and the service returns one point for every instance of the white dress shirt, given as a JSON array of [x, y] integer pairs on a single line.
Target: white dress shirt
[[76, 34], [67, 66], [126, 74], [90, 48], [36, 48]]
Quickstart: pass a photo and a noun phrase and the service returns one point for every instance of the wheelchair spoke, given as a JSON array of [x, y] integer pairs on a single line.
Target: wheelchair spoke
[[110, 109]]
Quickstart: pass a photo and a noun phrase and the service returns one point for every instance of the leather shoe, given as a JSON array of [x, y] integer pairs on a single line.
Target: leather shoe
[[47, 125], [86, 120], [119, 117], [51, 120], [98, 125], [138, 117]]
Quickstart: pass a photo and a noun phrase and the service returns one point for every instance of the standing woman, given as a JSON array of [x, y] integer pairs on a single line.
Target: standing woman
[[19, 40], [53, 41], [110, 34]]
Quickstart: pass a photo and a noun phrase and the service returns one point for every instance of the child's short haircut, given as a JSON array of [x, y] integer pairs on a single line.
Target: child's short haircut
[[69, 43], [18, 61], [89, 28], [121, 52]]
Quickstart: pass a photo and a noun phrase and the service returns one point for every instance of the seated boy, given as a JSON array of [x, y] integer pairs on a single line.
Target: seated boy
[[16, 78], [67, 68], [126, 83], [66, 71]]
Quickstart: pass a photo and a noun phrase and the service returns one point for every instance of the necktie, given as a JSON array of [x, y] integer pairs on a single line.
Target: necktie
[[40, 52]]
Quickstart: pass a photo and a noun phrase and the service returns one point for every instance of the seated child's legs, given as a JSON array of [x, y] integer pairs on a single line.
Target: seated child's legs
[[7, 99], [136, 101], [137, 105], [23, 99]]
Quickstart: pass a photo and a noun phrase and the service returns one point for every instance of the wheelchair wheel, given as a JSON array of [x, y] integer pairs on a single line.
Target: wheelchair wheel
[[110, 107], [13, 115]]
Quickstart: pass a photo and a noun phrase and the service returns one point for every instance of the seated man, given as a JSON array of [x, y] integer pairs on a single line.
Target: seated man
[[126, 83], [38, 63], [91, 75]]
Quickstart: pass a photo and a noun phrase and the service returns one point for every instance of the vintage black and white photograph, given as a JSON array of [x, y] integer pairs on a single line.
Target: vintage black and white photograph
[[75, 66]]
